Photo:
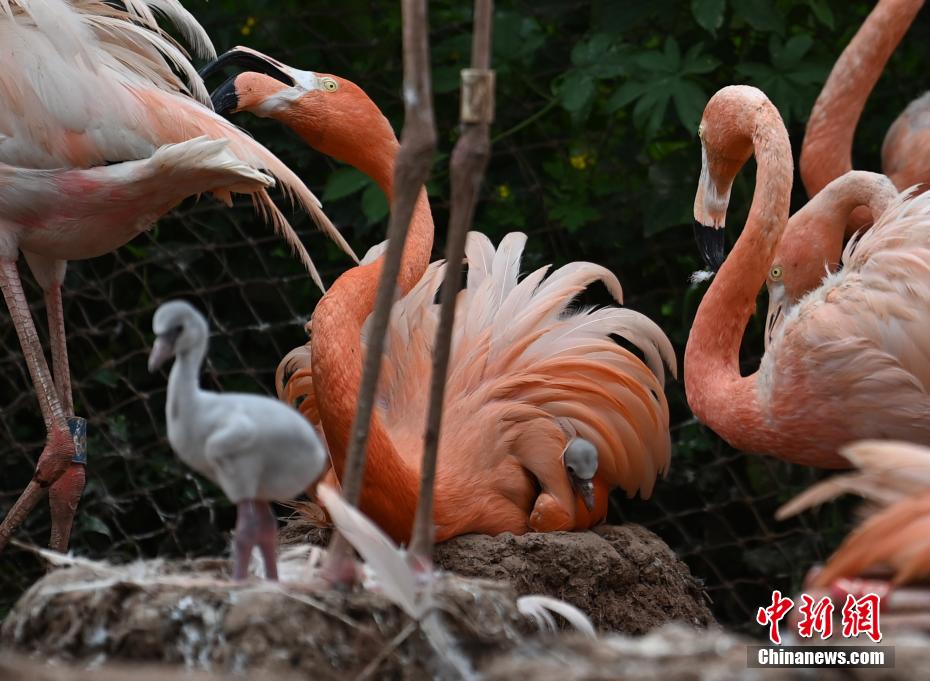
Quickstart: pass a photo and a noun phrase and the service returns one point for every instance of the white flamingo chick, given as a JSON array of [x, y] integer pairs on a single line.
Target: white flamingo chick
[[255, 448]]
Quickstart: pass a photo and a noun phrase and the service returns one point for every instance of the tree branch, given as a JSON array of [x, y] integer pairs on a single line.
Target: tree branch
[[418, 144], [469, 161]]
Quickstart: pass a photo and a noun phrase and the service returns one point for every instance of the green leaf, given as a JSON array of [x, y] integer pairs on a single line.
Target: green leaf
[[446, 79], [689, 103], [696, 63], [91, 523], [625, 94], [760, 14], [824, 14], [374, 204], [708, 14], [576, 92], [344, 182]]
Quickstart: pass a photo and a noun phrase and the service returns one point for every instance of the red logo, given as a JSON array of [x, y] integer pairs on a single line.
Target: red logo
[[859, 616], [774, 614]]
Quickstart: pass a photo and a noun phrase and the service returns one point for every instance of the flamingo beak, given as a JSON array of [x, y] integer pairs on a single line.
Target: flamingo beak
[[163, 348], [775, 315], [711, 243], [225, 98]]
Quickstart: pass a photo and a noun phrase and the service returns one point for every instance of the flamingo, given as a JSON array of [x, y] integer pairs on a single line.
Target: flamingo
[[851, 360], [526, 373], [85, 84], [827, 150], [814, 235], [255, 448], [890, 548]]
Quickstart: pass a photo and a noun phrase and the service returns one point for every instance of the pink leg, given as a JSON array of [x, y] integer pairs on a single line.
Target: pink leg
[[56, 331], [65, 495], [59, 448], [256, 526]]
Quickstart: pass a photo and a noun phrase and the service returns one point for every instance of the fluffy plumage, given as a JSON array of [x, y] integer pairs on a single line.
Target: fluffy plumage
[[895, 478], [86, 83], [527, 373], [858, 347]]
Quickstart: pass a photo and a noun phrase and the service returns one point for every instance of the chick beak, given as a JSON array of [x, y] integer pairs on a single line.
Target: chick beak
[[163, 349], [585, 488]]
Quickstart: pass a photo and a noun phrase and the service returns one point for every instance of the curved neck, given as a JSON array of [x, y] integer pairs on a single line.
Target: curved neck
[[717, 394], [827, 150], [390, 489], [184, 380]]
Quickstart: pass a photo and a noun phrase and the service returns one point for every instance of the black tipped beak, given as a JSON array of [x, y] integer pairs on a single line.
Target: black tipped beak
[[711, 242], [225, 98], [246, 61]]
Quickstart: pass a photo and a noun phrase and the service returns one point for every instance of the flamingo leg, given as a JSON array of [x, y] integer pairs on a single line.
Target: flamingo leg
[[256, 525], [65, 494], [59, 448]]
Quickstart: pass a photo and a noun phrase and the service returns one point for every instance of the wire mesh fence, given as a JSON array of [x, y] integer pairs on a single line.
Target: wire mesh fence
[[715, 509]]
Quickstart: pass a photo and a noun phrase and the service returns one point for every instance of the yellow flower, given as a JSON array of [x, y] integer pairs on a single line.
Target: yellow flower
[[248, 25], [579, 161], [503, 191]]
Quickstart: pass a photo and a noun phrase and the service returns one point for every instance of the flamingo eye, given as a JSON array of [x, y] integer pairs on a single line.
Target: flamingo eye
[[776, 273], [330, 85]]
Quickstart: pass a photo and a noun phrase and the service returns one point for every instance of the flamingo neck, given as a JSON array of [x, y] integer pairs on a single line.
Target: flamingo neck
[[184, 382], [827, 150], [717, 393], [390, 487]]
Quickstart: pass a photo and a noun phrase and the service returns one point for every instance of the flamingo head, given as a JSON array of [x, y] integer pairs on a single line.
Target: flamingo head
[[726, 145], [179, 328], [580, 460], [332, 114]]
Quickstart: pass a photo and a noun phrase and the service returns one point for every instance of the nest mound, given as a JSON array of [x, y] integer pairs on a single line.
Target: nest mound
[[189, 614], [623, 577]]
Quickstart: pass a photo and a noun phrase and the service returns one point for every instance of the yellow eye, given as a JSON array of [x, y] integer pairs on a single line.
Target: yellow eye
[[776, 273], [330, 85]]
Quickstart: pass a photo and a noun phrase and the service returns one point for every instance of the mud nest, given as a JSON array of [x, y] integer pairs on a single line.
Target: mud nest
[[187, 613], [624, 577]]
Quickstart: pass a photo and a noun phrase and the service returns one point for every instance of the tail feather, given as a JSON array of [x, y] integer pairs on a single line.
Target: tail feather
[[539, 607], [887, 472], [395, 576]]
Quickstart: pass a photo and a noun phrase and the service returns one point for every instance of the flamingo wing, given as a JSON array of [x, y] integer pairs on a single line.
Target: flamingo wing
[[522, 356], [86, 83]]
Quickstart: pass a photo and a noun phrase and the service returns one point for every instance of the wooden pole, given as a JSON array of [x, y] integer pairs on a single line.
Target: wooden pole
[[468, 164], [414, 159]]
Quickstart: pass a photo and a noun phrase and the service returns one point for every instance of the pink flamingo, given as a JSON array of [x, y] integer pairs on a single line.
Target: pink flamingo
[[852, 359], [811, 246], [891, 545], [828, 140], [826, 154], [84, 84], [526, 375]]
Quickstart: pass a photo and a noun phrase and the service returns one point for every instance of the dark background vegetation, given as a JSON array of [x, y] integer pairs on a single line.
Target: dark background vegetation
[[595, 157]]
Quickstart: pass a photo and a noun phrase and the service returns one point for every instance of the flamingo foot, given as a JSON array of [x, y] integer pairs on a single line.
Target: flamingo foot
[[53, 462], [256, 525], [64, 495], [550, 516]]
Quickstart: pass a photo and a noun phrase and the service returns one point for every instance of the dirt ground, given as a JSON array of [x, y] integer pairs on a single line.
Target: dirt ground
[[624, 577], [187, 614]]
